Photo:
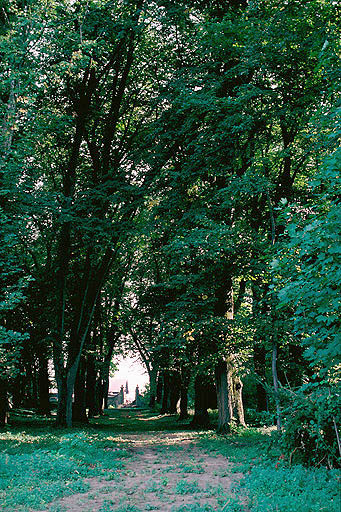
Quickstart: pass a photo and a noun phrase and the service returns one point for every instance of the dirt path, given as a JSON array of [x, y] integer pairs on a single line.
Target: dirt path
[[166, 472]]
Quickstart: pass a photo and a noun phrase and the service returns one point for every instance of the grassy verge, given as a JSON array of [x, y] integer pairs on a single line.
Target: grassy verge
[[271, 484], [39, 463]]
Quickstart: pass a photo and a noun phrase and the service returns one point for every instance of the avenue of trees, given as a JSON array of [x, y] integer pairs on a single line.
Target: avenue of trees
[[169, 178]]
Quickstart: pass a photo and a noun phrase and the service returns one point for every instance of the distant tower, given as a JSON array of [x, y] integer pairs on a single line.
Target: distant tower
[[127, 389], [137, 397], [121, 396]]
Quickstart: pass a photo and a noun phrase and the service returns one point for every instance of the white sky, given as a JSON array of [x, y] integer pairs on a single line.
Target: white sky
[[129, 369]]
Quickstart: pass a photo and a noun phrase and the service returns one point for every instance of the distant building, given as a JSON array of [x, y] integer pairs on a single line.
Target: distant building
[[116, 398]]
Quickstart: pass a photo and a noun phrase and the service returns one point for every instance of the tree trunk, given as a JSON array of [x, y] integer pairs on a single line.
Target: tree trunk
[[159, 389], [105, 388], [43, 386], [174, 394], [3, 403], [71, 380], [183, 402], [165, 394], [79, 405], [276, 387], [91, 378], [223, 394], [259, 354], [238, 387], [99, 396], [18, 391], [201, 418], [230, 391], [153, 387], [65, 382], [259, 310], [61, 408], [185, 377], [297, 365]]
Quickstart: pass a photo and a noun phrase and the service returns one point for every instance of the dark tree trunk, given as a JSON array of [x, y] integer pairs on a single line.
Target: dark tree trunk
[[99, 396], [17, 391], [200, 418], [223, 392], [297, 365], [174, 394], [91, 379], [259, 361], [105, 388], [66, 383], [259, 310], [153, 387], [30, 388], [3, 402], [276, 386], [183, 402], [79, 405], [61, 408], [159, 389], [165, 394], [185, 378], [43, 386]]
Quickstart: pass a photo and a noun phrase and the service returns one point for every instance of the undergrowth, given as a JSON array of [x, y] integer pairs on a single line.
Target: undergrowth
[[38, 466], [270, 482]]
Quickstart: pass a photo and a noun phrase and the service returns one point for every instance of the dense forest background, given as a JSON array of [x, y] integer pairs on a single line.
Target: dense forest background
[[169, 185]]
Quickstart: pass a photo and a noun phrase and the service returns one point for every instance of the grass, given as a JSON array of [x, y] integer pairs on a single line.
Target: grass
[[270, 484], [184, 487], [40, 463], [190, 468]]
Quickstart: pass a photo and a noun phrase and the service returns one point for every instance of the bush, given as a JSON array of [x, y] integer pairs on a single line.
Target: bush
[[309, 434]]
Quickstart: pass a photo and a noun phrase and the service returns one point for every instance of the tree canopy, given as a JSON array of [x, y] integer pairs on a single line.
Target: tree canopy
[[169, 182]]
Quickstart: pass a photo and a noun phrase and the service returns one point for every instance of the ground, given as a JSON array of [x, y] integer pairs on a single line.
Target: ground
[[166, 472], [135, 461]]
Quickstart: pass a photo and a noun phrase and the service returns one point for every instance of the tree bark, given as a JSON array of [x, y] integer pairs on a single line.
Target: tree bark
[[79, 405], [105, 388], [43, 386], [276, 387], [3, 403], [185, 378], [165, 394], [201, 418], [259, 362], [153, 386], [159, 389], [91, 378], [61, 408], [174, 394], [223, 394], [238, 387]]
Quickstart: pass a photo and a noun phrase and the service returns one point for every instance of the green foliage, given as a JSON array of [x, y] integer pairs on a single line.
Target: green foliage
[[186, 487], [310, 425], [270, 482], [191, 468], [286, 489]]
